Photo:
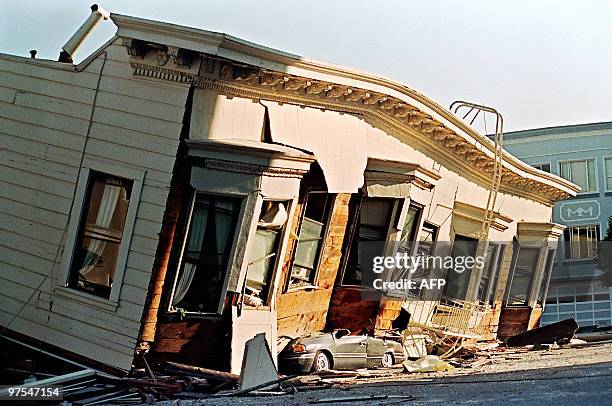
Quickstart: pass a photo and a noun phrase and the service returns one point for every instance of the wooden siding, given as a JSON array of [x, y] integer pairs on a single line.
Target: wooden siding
[[45, 109]]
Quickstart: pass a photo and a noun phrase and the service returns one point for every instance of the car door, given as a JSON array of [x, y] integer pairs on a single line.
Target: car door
[[375, 350], [350, 352]]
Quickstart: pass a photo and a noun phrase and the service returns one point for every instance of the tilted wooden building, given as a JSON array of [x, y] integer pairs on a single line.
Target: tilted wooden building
[[182, 190]]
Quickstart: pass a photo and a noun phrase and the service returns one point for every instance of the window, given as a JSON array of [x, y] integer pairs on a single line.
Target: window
[[548, 268], [265, 251], [542, 167], [457, 282], [100, 233], [317, 213], [426, 247], [490, 272], [581, 173], [206, 252], [522, 276], [372, 217], [608, 165], [581, 241]]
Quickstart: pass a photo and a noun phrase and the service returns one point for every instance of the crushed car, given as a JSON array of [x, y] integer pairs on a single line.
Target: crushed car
[[340, 350]]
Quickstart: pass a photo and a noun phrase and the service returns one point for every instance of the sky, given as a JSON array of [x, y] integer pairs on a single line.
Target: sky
[[540, 63]]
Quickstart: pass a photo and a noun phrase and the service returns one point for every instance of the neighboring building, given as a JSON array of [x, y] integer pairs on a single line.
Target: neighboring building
[[182, 190], [582, 154]]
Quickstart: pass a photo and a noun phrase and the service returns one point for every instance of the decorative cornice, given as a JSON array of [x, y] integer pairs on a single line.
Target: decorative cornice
[[230, 166], [550, 230], [388, 112], [397, 178]]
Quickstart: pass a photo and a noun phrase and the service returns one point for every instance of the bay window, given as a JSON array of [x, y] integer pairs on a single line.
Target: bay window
[[204, 261]]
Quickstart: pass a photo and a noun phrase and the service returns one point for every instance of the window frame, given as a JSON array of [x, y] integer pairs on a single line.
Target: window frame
[[76, 217], [352, 226], [184, 235], [314, 279], [493, 278], [535, 276], [607, 160], [280, 247], [567, 247], [595, 169], [550, 166]]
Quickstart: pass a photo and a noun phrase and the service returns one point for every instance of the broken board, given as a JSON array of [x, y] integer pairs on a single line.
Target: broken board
[[557, 332]]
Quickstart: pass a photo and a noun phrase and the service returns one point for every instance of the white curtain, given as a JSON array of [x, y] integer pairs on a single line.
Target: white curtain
[[197, 228], [109, 200]]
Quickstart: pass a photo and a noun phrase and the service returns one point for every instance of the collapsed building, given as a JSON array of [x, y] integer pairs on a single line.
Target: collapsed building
[[181, 190]]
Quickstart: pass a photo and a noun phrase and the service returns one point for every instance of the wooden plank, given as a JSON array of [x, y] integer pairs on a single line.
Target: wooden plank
[[37, 84], [129, 155], [135, 139], [42, 249], [54, 145], [39, 182], [39, 166], [37, 214], [25, 261], [30, 70], [139, 123], [105, 354], [41, 327], [53, 104], [140, 107], [43, 118], [34, 198], [35, 230]]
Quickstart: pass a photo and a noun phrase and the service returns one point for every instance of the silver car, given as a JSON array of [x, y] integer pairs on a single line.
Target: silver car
[[341, 351]]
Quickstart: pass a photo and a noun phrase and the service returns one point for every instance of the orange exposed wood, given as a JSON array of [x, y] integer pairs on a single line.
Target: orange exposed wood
[[304, 311], [513, 321]]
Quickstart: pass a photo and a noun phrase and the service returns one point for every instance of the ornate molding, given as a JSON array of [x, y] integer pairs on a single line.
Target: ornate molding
[[393, 114], [231, 166]]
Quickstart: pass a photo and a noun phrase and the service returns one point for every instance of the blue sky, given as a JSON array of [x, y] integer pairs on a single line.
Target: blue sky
[[540, 63]]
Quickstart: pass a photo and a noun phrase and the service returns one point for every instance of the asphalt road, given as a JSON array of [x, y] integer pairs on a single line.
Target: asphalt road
[[573, 377]]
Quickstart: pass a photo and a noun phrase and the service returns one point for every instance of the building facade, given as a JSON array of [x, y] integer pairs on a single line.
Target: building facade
[[582, 154], [182, 190]]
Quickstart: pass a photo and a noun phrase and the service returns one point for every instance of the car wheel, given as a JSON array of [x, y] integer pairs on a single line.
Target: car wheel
[[321, 362], [387, 360]]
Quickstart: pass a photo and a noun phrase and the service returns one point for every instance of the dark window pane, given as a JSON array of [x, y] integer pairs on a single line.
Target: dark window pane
[[373, 223], [206, 253], [523, 275], [550, 259], [312, 234], [264, 252], [458, 279], [100, 233]]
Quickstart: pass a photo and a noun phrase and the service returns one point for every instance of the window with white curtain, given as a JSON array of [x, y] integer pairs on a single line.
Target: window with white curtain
[[100, 233], [204, 262], [581, 173]]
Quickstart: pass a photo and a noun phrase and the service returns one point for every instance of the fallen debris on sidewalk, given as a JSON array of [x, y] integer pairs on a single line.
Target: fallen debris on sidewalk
[[560, 332], [428, 363]]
